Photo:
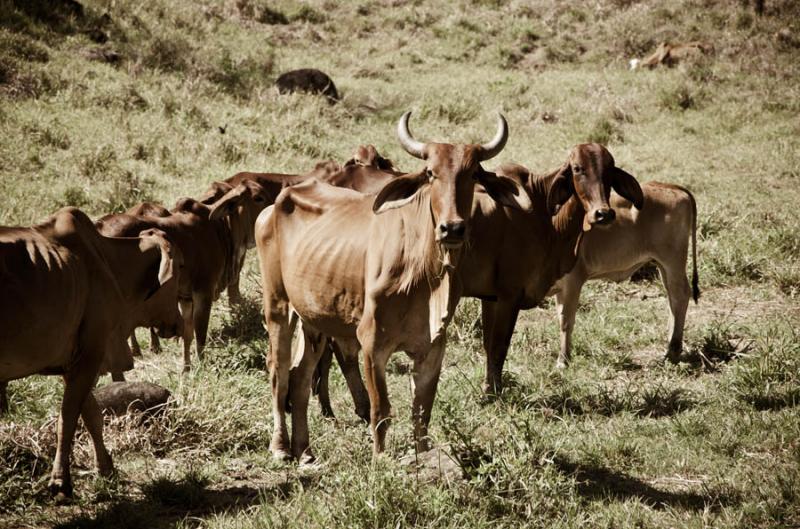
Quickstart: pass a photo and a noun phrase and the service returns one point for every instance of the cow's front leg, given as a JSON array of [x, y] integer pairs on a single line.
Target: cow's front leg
[[186, 308], [503, 318], [567, 305], [426, 371], [376, 355], [202, 314], [93, 419]]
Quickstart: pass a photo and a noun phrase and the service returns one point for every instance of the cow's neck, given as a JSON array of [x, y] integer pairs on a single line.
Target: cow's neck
[[424, 261], [131, 267], [564, 228]]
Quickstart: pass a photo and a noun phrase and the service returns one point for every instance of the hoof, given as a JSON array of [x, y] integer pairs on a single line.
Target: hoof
[[307, 459], [491, 391], [363, 414], [281, 454], [187, 368], [561, 365], [672, 357], [61, 490]]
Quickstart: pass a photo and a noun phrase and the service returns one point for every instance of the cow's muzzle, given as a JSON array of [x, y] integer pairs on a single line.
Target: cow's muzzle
[[602, 217], [451, 234]]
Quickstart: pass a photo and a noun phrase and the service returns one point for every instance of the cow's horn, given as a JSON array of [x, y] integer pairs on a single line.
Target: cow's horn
[[493, 148], [413, 147]]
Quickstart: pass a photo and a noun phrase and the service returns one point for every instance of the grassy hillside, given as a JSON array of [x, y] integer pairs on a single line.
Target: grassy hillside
[[124, 101]]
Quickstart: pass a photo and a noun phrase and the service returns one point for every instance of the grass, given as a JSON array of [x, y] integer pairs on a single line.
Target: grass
[[619, 440]]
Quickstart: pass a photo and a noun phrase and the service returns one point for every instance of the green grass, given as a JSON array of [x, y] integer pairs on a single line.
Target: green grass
[[618, 440]]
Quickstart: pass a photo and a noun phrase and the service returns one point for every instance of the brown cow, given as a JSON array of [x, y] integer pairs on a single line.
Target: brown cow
[[271, 183], [515, 258], [68, 297], [659, 232], [204, 236], [385, 282]]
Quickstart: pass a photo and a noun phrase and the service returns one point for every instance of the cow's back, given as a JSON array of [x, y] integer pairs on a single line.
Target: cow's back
[[322, 238]]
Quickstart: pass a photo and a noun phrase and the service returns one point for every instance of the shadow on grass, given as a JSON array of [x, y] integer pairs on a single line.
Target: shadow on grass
[[599, 483], [651, 401], [167, 503]]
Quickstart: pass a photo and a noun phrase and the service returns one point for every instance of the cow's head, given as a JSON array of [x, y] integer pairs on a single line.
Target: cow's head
[[590, 174], [368, 156], [245, 202], [324, 169], [164, 283], [451, 172]]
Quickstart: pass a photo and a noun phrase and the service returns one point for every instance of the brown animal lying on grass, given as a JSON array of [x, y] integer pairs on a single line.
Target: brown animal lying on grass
[[68, 299], [671, 54], [383, 282]]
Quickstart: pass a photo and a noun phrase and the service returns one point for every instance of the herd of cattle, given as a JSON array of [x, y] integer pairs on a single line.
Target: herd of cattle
[[362, 256]]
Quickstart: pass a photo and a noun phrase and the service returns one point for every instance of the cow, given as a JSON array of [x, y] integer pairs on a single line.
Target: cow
[[205, 238], [659, 232], [68, 297], [377, 272], [146, 209], [242, 229], [514, 258]]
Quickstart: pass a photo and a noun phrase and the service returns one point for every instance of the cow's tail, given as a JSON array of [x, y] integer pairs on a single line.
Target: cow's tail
[[695, 287]]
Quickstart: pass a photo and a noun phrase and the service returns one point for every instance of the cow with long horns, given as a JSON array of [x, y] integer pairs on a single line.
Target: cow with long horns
[[376, 272]]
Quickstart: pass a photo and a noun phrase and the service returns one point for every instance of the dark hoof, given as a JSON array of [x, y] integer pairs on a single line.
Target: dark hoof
[[61, 492]]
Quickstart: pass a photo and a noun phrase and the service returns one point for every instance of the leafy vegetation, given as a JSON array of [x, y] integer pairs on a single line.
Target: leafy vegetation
[[117, 102]]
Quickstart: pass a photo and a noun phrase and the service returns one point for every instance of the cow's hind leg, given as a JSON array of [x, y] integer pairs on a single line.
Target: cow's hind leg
[[319, 384], [279, 329], [500, 317], [347, 357], [426, 370], [78, 384], [673, 275], [567, 305], [300, 390], [135, 349], [3, 398], [155, 342]]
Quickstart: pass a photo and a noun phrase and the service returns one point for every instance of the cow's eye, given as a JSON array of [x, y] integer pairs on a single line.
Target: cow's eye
[[429, 173]]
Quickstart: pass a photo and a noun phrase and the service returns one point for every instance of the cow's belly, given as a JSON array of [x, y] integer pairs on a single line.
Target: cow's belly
[[38, 331], [324, 280]]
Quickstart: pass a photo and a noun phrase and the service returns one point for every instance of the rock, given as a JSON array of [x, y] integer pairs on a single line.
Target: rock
[[309, 80], [118, 398], [436, 464]]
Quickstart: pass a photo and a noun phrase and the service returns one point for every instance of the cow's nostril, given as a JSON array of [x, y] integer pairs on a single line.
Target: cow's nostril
[[604, 216], [457, 229]]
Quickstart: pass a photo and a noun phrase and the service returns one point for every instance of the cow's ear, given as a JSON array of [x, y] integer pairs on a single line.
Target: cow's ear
[[217, 191], [166, 266], [561, 189], [385, 164], [626, 185], [228, 203], [504, 190], [399, 192]]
